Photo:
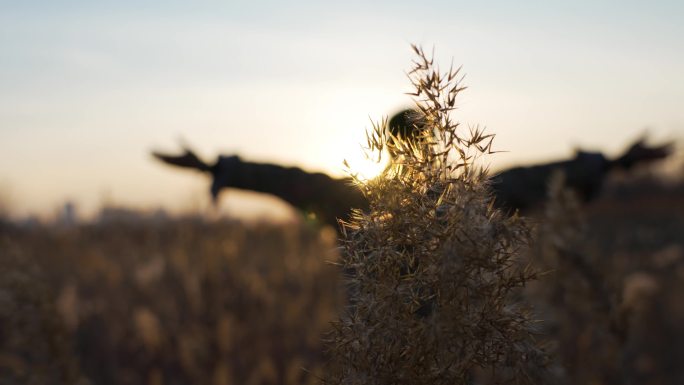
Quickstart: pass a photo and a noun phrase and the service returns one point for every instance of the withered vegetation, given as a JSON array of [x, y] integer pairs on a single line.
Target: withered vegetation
[[181, 301], [434, 269]]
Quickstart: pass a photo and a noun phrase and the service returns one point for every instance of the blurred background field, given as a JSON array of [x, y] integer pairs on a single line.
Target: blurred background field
[[172, 301], [189, 300]]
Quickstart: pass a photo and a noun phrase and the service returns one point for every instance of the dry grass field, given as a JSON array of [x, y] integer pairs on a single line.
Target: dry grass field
[[611, 302], [191, 301], [184, 301]]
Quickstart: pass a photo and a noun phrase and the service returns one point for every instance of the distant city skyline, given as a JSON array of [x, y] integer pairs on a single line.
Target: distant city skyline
[[88, 89]]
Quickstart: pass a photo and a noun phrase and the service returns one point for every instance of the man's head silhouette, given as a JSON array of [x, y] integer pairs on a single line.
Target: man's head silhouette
[[406, 125]]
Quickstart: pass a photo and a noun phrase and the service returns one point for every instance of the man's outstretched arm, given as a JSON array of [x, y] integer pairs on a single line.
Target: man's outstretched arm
[[329, 199], [521, 188], [326, 197]]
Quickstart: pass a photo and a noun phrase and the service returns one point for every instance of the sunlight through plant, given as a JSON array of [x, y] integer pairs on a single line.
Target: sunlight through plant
[[434, 269]]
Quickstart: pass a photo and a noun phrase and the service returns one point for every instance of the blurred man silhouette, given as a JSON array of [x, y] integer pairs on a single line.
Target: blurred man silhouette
[[330, 199]]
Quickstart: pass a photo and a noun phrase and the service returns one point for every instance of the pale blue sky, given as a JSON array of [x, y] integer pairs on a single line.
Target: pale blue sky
[[86, 90]]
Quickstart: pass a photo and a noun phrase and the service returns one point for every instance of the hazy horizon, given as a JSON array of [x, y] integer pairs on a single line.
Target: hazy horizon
[[87, 91]]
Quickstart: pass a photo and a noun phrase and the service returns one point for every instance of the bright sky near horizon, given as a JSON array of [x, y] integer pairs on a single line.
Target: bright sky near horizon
[[87, 89]]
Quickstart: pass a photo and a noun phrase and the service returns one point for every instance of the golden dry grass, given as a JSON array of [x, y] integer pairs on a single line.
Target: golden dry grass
[[190, 301], [179, 302]]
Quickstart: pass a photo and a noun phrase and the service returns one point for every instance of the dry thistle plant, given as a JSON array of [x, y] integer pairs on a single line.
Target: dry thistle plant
[[434, 273]]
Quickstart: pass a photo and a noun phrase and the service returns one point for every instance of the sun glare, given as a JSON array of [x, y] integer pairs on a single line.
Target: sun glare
[[364, 168]]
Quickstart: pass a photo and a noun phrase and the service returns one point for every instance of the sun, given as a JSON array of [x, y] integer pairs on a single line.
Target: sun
[[365, 167]]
